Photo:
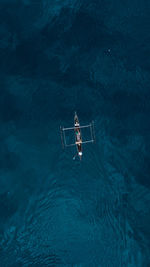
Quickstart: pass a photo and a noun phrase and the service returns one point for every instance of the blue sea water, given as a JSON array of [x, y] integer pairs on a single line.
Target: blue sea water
[[57, 57]]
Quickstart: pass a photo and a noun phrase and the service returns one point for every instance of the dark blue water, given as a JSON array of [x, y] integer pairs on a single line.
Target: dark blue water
[[57, 57]]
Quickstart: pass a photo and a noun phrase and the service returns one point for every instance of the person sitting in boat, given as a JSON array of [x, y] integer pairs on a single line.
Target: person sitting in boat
[[78, 137]]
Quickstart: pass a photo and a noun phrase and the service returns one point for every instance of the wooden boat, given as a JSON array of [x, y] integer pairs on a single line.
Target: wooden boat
[[78, 137]]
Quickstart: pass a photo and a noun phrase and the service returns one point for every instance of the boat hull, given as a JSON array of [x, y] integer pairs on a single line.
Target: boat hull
[[78, 137]]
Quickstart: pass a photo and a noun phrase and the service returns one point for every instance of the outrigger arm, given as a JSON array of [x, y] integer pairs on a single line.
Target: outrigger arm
[[72, 128]]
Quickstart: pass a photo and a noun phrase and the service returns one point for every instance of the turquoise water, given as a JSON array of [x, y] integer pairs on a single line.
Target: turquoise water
[[58, 57]]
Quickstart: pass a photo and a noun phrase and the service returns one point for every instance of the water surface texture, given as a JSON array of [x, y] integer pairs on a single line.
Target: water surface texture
[[57, 57]]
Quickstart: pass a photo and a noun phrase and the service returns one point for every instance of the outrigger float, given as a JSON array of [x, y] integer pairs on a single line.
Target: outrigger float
[[78, 137]]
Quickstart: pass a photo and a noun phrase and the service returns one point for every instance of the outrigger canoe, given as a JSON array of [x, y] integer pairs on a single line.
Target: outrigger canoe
[[78, 137]]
